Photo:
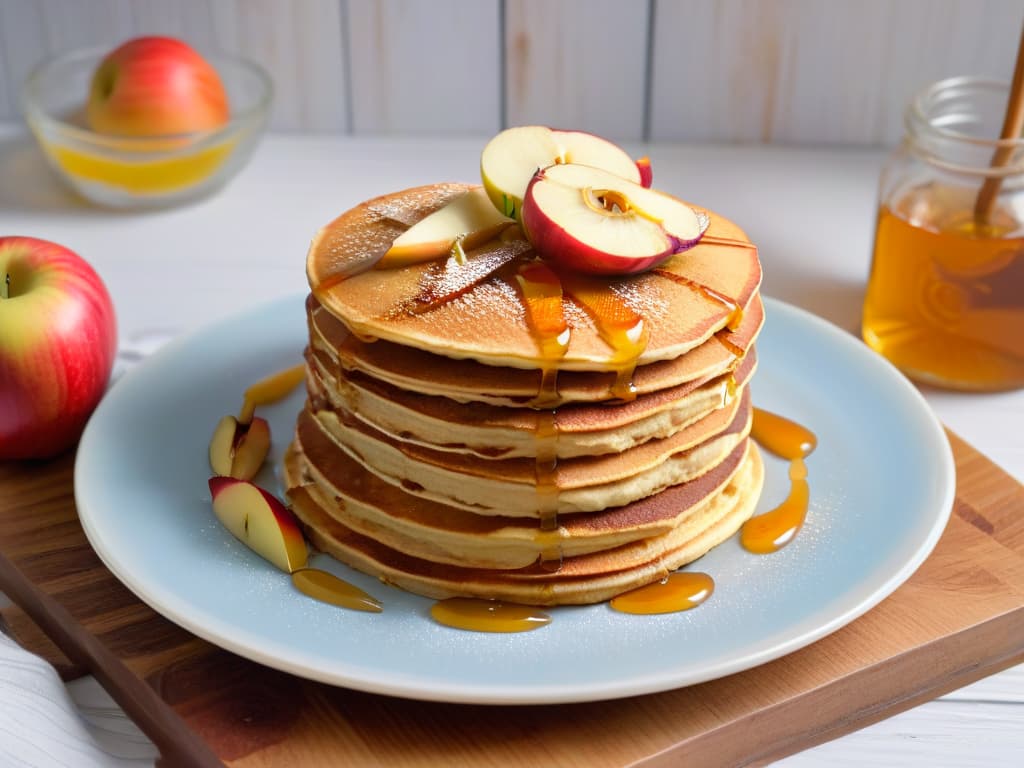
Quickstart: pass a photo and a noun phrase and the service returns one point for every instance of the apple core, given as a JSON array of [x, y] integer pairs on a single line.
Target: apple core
[[608, 201]]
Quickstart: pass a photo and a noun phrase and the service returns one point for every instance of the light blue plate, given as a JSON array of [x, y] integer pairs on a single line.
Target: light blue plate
[[882, 484]]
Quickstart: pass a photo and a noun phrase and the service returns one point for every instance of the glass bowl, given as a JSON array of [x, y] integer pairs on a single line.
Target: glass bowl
[[131, 172]]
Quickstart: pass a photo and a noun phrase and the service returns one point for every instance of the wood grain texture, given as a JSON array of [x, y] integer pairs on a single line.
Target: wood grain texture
[[425, 68], [801, 71], [577, 64], [959, 618], [177, 743]]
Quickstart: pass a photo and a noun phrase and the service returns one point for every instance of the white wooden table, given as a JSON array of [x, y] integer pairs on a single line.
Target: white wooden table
[[811, 212]]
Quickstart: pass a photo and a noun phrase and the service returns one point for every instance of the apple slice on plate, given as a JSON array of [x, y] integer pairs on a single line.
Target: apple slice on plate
[[466, 222], [593, 221], [260, 521], [237, 449], [512, 157]]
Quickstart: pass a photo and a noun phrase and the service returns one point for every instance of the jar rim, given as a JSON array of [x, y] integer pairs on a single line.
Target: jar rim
[[918, 111]]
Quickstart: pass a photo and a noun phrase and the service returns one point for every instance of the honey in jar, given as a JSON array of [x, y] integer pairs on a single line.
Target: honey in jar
[[945, 297]]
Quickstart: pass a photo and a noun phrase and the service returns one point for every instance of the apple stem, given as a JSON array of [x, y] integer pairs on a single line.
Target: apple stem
[[5, 289]]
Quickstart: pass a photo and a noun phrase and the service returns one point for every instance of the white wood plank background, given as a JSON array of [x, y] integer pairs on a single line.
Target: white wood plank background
[[807, 71], [577, 63], [425, 67], [786, 71]]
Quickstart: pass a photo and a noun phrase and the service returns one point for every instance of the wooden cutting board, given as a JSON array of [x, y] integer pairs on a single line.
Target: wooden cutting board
[[959, 618]]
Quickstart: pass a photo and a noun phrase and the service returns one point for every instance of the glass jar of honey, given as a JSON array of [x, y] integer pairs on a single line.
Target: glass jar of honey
[[945, 297]]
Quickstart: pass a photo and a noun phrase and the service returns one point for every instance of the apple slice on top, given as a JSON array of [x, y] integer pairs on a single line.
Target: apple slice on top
[[512, 157], [466, 222], [593, 221]]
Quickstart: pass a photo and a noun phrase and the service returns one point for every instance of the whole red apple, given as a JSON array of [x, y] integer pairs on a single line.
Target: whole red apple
[[155, 86], [58, 338]]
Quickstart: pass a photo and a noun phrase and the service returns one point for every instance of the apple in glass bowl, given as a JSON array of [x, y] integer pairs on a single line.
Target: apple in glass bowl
[[145, 125], [155, 86], [58, 339]]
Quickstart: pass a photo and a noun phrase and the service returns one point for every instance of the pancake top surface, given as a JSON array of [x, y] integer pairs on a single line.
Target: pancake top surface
[[476, 310]]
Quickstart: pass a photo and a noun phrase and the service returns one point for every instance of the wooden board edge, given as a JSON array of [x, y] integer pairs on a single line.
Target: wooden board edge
[[860, 699]]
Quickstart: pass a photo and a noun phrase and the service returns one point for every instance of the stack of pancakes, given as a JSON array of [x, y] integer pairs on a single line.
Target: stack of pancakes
[[445, 449]]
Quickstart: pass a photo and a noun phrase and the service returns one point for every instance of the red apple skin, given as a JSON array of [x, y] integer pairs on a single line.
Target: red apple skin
[[218, 483], [155, 86], [646, 173], [58, 339], [557, 245], [285, 517], [287, 523]]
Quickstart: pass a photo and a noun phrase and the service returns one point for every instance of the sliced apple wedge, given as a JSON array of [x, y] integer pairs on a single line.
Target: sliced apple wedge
[[260, 521], [512, 157], [595, 222], [469, 220], [238, 450]]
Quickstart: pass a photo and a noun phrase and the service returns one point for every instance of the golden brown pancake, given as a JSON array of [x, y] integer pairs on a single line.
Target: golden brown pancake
[[469, 381], [368, 505], [507, 486], [490, 431], [683, 302], [583, 579]]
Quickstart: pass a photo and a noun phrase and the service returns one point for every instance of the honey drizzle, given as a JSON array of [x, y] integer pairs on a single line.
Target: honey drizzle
[[478, 615], [618, 324], [735, 310], [678, 591], [546, 483], [730, 391], [771, 531], [328, 588], [781, 436], [541, 291]]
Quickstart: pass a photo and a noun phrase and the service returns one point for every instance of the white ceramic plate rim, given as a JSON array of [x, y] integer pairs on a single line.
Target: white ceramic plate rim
[[229, 635]]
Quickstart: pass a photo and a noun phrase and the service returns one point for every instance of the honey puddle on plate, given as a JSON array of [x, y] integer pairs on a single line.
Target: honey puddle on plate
[[771, 531], [678, 591], [328, 588], [488, 615]]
